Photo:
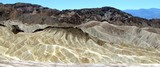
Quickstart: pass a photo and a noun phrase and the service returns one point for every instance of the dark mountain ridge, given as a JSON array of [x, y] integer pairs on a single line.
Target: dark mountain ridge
[[32, 13]]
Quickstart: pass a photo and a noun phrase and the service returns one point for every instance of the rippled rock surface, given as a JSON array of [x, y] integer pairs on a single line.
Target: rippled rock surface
[[93, 42], [85, 36]]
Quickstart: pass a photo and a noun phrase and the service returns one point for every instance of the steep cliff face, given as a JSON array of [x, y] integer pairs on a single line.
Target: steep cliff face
[[98, 35]]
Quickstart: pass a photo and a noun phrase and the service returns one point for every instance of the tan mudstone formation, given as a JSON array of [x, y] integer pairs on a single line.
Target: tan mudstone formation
[[93, 42]]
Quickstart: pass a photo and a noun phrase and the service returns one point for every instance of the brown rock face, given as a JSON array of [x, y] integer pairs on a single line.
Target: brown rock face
[[27, 13], [31, 13]]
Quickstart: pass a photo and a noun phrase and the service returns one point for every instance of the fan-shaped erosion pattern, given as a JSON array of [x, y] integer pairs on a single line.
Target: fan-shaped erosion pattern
[[34, 35], [92, 42]]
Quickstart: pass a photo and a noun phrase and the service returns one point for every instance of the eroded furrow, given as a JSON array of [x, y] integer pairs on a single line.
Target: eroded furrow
[[71, 46]]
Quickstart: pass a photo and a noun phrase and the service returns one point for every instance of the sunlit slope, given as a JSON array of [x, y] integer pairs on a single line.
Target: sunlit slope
[[94, 42], [140, 37]]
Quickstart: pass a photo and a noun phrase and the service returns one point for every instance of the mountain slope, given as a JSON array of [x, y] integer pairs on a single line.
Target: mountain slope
[[36, 14]]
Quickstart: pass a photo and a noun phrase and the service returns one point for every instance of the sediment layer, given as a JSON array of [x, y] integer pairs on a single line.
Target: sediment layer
[[86, 43]]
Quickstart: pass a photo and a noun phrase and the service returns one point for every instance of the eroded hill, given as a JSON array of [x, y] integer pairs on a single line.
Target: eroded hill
[[98, 35]]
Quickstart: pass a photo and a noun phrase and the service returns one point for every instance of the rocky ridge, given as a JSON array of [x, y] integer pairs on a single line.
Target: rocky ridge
[[36, 14]]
